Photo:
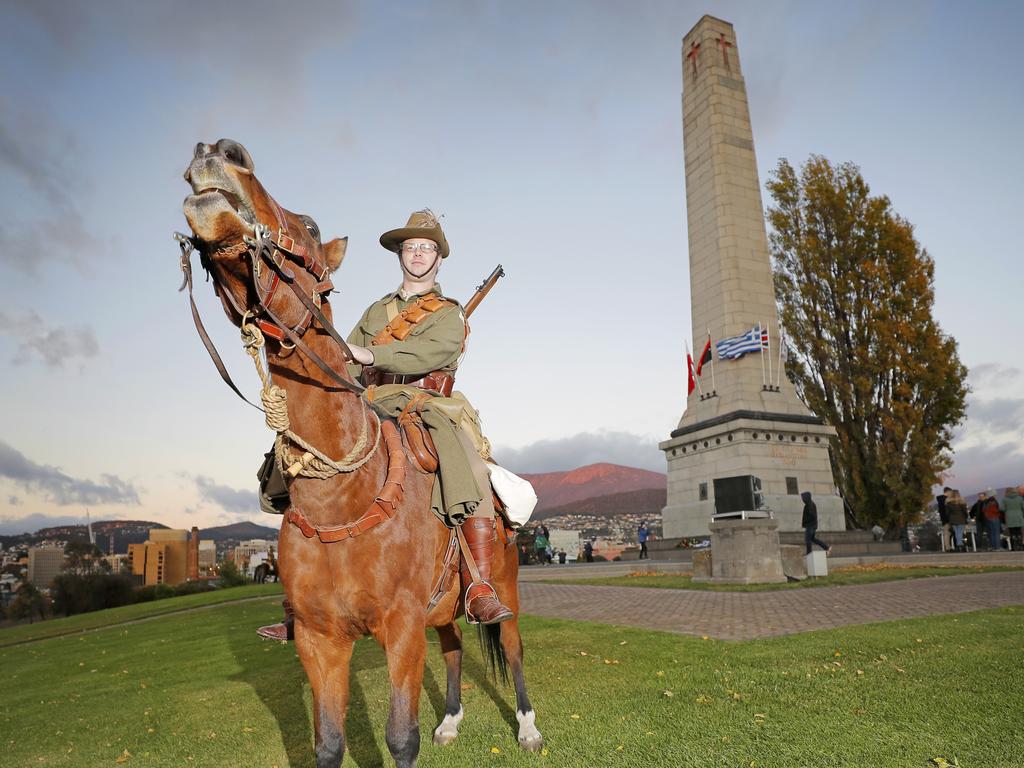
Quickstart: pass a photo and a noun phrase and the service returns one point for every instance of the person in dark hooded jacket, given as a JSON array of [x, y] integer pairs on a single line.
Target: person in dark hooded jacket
[[810, 524]]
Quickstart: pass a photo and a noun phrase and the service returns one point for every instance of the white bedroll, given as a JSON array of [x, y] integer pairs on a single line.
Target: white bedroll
[[516, 493]]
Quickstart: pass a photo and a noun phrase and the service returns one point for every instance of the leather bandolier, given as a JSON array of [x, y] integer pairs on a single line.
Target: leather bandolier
[[398, 329]]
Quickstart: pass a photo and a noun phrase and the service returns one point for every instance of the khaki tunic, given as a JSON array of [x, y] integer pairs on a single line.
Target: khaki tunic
[[435, 344]]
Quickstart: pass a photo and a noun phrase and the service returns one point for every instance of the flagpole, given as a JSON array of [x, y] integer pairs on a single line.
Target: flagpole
[[782, 341], [760, 346], [713, 387], [767, 332]]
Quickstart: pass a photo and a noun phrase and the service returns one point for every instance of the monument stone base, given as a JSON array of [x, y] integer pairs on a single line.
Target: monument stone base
[[793, 564], [745, 552], [692, 518]]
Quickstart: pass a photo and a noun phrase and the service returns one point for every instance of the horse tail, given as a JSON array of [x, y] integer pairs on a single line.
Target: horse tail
[[490, 647]]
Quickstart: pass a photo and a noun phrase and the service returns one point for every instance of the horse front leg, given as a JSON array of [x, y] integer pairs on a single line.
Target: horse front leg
[[512, 644], [450, 636], [405, 645], [326, 661]]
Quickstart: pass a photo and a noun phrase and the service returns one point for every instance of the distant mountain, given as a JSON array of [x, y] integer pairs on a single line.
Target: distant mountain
[[238, 531], [646, 501], [556, 489], [99, 527]]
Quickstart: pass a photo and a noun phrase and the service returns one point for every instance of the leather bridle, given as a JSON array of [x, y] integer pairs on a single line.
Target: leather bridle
[[274, 254]]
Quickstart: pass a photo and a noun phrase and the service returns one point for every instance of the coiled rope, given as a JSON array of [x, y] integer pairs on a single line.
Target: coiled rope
[[313, 462]]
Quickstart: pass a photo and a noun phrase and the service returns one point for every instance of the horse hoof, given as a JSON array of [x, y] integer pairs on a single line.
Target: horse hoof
[[533, 744], [444, 738], [446, 732], [529, 737]]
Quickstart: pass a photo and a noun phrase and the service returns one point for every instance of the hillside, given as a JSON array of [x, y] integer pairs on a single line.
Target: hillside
[[646, 501], [238, 532], [556, 489]]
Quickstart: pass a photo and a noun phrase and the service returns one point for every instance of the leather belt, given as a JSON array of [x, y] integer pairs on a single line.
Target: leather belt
[[437, 381]]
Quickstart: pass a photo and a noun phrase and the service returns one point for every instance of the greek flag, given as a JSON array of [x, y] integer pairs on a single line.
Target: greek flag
[[737, 346]]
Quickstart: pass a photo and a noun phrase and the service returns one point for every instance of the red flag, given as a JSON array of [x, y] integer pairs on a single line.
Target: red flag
[[705, 356], [689, 375]]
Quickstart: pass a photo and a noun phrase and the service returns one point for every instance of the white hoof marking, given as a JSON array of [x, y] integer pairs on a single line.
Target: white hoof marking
[[446, 732], [529, 737]]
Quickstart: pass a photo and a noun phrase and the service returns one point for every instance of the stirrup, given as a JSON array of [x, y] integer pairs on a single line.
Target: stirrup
[[493, 595]]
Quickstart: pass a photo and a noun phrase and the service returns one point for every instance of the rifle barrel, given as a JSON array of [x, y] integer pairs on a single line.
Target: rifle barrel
[[483, 289]]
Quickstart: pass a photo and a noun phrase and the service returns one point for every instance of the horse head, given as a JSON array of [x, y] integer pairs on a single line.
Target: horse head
[[250, 244]]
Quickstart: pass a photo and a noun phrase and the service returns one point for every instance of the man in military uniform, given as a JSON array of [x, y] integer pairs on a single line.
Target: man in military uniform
[[413, 337]]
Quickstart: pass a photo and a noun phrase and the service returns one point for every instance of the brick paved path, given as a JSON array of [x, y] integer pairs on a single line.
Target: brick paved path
[[749, 615]]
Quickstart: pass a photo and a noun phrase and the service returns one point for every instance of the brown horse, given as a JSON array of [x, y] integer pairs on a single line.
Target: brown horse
[[377, 580]]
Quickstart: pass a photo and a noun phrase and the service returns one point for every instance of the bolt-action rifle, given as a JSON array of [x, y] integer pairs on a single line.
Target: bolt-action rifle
[[483, 289]]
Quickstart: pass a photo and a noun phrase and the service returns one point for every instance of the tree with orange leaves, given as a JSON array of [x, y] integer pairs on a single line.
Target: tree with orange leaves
[[855, 294]]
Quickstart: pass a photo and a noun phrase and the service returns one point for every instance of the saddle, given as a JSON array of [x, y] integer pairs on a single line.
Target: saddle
[[423, 452], [417, 438]]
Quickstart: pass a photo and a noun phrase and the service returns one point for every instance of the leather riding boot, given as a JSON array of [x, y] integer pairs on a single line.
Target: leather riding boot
[[285, 630], [482, 603]]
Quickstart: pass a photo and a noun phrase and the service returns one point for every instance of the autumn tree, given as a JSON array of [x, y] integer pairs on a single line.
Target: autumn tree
[[855, 294], [82, 556], [28, 601], [229, 574]]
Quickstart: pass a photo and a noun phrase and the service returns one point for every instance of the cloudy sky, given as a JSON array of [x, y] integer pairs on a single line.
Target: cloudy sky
[[549, 135]]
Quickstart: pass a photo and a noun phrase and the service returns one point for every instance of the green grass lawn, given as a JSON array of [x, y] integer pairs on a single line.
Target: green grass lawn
[[200, 689], [86, 621], [856, 574]]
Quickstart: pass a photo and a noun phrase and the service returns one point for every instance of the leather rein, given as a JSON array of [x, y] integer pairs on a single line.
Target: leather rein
[[273, 254]]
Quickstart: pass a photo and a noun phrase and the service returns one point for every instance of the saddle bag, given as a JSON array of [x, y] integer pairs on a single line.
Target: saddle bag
[[274, 496]]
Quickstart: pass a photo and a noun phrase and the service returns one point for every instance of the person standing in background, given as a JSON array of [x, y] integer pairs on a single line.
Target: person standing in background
[[956, 510], [809, 521], [979, 519], [940, 502], [990, 513], [1012, 508]]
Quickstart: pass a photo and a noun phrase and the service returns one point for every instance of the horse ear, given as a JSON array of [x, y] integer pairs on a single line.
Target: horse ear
[[335, 252]]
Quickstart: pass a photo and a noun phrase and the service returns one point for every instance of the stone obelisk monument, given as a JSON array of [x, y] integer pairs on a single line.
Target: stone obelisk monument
[[746, 421]]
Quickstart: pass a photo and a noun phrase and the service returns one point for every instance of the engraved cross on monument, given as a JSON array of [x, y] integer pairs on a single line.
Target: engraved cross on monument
[[748, 426]]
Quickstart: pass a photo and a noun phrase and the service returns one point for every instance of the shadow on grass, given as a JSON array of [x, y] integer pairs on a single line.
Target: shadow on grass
[[279, 681]]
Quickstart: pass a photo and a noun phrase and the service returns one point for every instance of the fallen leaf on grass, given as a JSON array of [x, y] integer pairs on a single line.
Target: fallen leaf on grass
[[574, 716], [941, 762], [495, 751], [702, 699], [125, 757], [620, 748], [544, 752], [668, 694]]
